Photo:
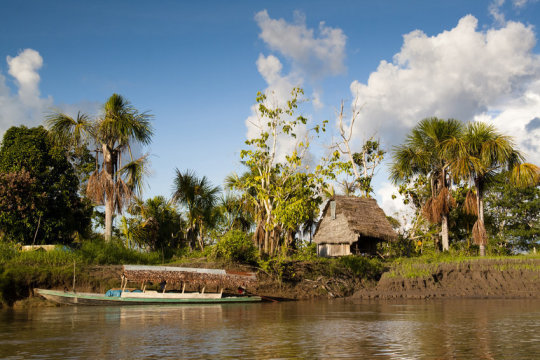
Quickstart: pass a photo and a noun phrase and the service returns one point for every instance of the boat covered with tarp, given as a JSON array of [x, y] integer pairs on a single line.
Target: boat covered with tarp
[[176, 285]]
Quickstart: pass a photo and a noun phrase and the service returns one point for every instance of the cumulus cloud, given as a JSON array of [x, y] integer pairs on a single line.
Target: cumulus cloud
[[495, 9], [278, 92], [519, 117], [312, 54], [26, 106], [461, 73]]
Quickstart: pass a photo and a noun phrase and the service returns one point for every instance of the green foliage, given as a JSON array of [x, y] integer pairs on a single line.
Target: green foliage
[[42, 175], [199, 197], [112, 134], [156, 225], [306, 251], [98, 251], [364, 267], [513, 217], [281, 194], [236, 246]]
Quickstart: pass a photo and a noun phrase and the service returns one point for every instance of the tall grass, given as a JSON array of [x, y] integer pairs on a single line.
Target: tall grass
[[20, 272]]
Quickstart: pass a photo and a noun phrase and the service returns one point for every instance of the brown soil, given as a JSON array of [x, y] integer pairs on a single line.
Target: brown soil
[[475, 279], [311, 280]]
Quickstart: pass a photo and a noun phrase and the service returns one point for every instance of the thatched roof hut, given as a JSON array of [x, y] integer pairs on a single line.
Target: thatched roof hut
[[351, 225]]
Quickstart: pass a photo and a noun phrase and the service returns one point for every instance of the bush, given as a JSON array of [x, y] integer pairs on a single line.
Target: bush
[[362, 266], [236, 246], [306, 252], [100, 252]]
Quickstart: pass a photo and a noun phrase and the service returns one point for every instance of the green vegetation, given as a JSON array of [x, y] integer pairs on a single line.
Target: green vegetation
[[113, 134], [448, 172], [236, 246], [426, 265], [39, 200]]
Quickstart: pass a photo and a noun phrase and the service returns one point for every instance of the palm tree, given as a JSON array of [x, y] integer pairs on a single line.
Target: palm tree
[[199, 197], [112, 134], [423, 153], [479, 155], [251, 203], [157, 224]]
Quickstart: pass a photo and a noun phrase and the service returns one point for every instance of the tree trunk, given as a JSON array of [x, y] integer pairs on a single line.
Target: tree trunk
[[480, 205], [108, 162], [109, 209], [266, 241], [444, 233], [482, 250]]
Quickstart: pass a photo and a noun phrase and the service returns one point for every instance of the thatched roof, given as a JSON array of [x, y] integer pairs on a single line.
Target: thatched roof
[[361, 216], [196, 276]]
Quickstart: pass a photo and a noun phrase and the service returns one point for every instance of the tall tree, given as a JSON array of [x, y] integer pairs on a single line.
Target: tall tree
[[513, 215], [280, 191], [111, 135], [362, 166], [478, 156], [200, 198], [39, 189], [424, 153], [156, 224]]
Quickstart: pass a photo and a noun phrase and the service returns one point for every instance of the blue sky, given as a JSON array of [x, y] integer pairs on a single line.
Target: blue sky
[[197, 67]]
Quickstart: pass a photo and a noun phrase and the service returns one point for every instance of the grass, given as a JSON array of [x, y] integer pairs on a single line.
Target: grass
[[426, 265]]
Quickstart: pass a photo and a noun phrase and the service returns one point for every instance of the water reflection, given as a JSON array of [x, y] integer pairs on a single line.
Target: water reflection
[[460, 329]]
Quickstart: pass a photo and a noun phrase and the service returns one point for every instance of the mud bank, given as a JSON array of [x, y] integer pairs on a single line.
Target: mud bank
[[505, 278], [479, 278]]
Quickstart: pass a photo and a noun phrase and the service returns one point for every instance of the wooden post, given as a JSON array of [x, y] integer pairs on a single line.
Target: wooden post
[[73, 275]]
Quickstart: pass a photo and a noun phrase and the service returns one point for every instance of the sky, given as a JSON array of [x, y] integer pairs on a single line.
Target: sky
[[197, 67]]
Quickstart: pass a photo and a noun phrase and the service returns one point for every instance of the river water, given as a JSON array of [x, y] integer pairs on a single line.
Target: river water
[[435, 329]]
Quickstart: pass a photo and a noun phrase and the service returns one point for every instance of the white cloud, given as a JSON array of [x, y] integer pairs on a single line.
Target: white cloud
[[520, 118], [26, 106], [460, 73], [278, 92], [394, 207], [495, 11], [311, 54]]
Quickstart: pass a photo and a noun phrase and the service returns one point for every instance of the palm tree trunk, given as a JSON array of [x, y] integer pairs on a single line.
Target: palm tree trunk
[[109, 208], [444, 232], [481, 217], [108, 163]]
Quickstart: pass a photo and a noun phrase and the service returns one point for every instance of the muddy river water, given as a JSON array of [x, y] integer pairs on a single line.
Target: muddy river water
[[434, 329]]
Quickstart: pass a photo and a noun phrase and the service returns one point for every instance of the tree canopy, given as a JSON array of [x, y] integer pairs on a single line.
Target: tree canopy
[[36, 174]]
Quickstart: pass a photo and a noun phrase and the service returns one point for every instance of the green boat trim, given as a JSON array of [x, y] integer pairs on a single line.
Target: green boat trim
[[76, 298]]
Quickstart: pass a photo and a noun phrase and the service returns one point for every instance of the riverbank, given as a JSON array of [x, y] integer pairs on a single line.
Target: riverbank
[[359, 278], [508, 278]]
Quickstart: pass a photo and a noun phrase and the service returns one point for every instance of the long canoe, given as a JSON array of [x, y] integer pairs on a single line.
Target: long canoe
[[80, 298]]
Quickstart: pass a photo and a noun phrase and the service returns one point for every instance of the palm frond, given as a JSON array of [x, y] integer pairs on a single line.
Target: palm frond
[[470, 206], [479, 233], [525, 175], [133, 173]]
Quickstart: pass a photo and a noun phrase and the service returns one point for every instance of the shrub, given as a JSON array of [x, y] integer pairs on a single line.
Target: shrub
[[100, 252], [306, 251], [236, 246], [362, 266]]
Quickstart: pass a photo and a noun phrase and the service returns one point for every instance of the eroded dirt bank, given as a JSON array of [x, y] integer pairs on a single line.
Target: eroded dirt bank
[[481, 278], [505, 278]]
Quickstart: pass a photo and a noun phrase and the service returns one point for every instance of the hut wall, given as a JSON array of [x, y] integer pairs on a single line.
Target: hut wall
[[334, 231], [330, 250]]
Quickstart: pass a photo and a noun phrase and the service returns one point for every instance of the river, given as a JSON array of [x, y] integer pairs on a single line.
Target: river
[[435, 329]]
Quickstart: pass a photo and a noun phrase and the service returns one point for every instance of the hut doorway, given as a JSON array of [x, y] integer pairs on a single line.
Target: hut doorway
[[365, 245]]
